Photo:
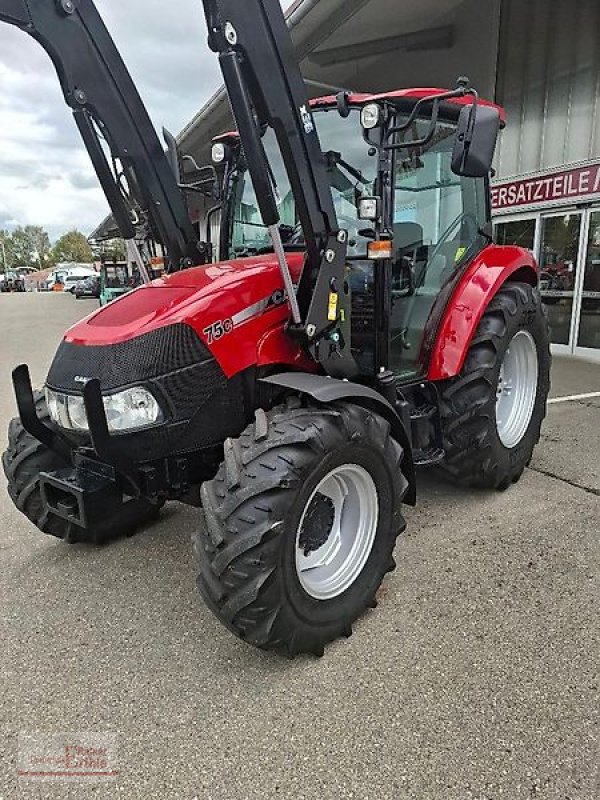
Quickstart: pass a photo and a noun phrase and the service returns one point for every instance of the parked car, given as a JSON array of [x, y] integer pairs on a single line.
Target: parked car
[[88, 287], [12, 282], [65, 276], [71, 281]]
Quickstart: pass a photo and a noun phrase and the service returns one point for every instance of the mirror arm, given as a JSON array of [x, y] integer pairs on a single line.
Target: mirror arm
[[435, 100]]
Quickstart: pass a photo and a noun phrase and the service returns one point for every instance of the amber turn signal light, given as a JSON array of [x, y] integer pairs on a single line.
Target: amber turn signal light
[[380, 250]]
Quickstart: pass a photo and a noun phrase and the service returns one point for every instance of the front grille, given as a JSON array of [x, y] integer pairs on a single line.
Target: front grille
[[188, 390], [123, 364], [202, 406]]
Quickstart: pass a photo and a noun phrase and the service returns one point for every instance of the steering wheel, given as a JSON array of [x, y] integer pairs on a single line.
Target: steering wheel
[[445, 237]]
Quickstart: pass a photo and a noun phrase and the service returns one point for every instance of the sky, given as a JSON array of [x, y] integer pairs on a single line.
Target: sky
[[45, 174]]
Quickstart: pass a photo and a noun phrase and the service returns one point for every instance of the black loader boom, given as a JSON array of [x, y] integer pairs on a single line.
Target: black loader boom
[[140, 185], [266, 88]]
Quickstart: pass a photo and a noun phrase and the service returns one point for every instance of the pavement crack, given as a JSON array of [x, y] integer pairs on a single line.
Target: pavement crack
[[548, 474]]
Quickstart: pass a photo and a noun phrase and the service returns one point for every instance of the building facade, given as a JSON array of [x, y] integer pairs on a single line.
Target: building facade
[[547, 193]]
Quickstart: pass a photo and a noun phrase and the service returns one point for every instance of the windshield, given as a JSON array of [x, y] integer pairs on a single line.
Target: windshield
[[351, 172]]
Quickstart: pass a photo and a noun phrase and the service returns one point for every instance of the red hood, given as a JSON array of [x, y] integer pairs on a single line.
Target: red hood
[[197, 297]]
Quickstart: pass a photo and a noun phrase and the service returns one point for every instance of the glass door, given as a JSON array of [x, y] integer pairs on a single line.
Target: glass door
[[588, 324], [520, 231], [559, 254], [567, 246]]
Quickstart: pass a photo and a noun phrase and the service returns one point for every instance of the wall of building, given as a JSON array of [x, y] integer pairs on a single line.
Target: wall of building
[[549, 83], [473, 51]]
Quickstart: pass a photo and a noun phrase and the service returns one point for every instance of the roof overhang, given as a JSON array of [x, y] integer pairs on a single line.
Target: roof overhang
[[368, 46]]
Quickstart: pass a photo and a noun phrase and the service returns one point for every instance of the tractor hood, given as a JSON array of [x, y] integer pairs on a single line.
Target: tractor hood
[[230, 306], [197, 297], [187, 339]]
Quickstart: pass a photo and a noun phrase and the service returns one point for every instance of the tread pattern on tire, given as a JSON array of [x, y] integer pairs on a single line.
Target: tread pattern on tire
[[23, 461], [237, 545], [473, 455]]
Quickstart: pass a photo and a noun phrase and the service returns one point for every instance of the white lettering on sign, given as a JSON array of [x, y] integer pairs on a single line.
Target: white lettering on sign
[[569, 184]]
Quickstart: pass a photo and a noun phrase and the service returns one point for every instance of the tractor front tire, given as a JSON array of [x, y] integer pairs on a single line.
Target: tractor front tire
[[24, 460], [294, 485], [492, 412]]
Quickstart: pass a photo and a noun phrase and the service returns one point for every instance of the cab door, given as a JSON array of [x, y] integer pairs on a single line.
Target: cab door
[[437, 221]]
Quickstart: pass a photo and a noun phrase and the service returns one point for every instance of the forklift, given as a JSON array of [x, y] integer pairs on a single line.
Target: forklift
[[360, 323], [116, 279]]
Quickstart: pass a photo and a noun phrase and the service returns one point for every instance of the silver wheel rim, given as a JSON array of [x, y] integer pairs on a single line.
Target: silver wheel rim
[[336, 531], [517, 389]]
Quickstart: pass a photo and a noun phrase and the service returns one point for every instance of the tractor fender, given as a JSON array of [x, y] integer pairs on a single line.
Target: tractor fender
[[480, 282], [324, 389]]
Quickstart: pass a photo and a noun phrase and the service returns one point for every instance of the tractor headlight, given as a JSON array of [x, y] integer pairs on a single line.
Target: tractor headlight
[[125, 411], [133, 408]]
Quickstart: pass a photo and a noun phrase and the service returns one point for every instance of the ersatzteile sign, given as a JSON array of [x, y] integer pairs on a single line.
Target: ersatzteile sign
[[567, 185]]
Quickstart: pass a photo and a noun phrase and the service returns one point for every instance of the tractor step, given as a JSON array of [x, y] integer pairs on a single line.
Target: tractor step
[[423, 412], [429, 457], [426, 434]]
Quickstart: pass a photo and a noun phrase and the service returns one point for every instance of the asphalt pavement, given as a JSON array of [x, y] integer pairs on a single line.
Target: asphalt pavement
[[477, 677]]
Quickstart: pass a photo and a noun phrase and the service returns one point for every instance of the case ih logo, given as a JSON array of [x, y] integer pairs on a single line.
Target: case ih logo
[[566, 185]]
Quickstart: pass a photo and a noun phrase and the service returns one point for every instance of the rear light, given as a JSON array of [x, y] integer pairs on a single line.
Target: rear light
[[380, 250]]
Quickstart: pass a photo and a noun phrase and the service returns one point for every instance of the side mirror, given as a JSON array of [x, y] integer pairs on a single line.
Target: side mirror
[[476, 137]]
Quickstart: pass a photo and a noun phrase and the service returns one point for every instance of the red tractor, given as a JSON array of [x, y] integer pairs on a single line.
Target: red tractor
[[359, 324]]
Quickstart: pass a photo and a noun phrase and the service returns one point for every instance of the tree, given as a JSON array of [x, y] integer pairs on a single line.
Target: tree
[[5, 252], [72, 247], [27, 246]]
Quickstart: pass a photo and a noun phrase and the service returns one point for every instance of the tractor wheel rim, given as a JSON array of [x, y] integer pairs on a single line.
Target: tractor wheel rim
[[517, 389], [337, 531]]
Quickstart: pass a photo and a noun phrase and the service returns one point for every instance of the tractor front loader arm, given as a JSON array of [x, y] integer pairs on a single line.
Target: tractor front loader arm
[[106, 105], [266, 88]]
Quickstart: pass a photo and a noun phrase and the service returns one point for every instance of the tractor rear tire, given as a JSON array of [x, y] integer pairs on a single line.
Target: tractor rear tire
[[23, 461], [480, 452], [250, 549]]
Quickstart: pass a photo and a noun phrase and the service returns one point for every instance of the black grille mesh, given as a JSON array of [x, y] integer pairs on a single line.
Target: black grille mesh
[[188, 390], [163, 351], [203, 406]]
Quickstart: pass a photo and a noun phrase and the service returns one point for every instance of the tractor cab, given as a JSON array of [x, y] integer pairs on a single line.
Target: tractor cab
[[413, 222], [116, 279]]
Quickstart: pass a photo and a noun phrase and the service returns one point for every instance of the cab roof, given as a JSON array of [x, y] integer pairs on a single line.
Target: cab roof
[[401, 96]]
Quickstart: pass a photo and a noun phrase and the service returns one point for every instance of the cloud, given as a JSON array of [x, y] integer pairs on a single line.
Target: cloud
[[45, 174]]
